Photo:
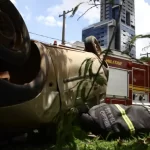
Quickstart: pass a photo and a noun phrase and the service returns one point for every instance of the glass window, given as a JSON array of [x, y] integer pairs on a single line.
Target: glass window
[[127, 18]]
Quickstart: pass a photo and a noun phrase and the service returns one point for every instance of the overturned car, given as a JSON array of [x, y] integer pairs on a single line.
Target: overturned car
[[38, 80]]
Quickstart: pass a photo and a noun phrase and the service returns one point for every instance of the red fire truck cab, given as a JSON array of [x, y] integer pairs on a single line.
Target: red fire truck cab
[[129, 80]]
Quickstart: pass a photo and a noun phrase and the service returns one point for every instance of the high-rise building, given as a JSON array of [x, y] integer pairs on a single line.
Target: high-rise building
[[102, 31], [125, 29]]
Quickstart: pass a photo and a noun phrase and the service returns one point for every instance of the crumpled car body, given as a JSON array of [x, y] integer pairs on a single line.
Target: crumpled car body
[[35, 97], [49, 78]]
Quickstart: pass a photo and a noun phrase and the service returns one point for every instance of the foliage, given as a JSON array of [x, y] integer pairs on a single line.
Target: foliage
[[66, 129], [82, 141], [145, 59], [94, 3], [89, 77], [107, 51], [96, 144], [79, 140], [104, 51], [133, 40], [139, 37], [72, 137], [75, 9], [129, 45]]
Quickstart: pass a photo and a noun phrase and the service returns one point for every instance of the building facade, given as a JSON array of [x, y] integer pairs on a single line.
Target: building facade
[[125, 29], [102, 31]]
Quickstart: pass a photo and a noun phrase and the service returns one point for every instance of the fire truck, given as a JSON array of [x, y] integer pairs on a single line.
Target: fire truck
[[129, 80]]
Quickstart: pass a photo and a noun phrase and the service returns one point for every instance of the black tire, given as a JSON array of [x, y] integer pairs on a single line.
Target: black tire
[[92, 45], [14, 48], [7, 32], [15, 91]]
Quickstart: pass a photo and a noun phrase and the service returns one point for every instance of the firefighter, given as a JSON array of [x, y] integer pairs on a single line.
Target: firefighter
[[115, 120]]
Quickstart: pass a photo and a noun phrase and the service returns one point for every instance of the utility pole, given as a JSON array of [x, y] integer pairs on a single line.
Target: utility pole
[[64, 23], [147, 54]]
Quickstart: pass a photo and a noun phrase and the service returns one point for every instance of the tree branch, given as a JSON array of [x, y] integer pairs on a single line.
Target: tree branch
[[117, 22], [86, 12], [94, 5]]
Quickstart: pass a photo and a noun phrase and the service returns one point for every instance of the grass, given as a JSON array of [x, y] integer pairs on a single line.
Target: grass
[[79, 140], [71, 137], [82, 142]]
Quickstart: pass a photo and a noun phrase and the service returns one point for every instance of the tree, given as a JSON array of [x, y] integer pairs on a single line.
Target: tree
[[93, 4], [145, 59]]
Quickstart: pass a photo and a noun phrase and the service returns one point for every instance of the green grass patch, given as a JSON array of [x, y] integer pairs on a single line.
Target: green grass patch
[[72, 137], [81, 141]]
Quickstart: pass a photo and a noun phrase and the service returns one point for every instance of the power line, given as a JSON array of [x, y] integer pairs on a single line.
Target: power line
[[44, 36], [49, 37]]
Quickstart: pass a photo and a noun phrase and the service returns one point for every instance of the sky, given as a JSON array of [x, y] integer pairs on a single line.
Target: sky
[[43, 18]]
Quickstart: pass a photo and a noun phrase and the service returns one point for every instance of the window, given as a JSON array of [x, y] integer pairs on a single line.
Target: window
[[107, 8], [122, 20], [127, 18], [113, 13], [133, 26]]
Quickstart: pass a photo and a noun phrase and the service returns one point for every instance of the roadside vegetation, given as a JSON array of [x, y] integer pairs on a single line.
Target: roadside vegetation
[[79, 139], [145, 59]]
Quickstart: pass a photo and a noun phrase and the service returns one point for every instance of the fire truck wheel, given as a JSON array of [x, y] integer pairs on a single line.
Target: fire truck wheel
[[92, 45], [15, 40]]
